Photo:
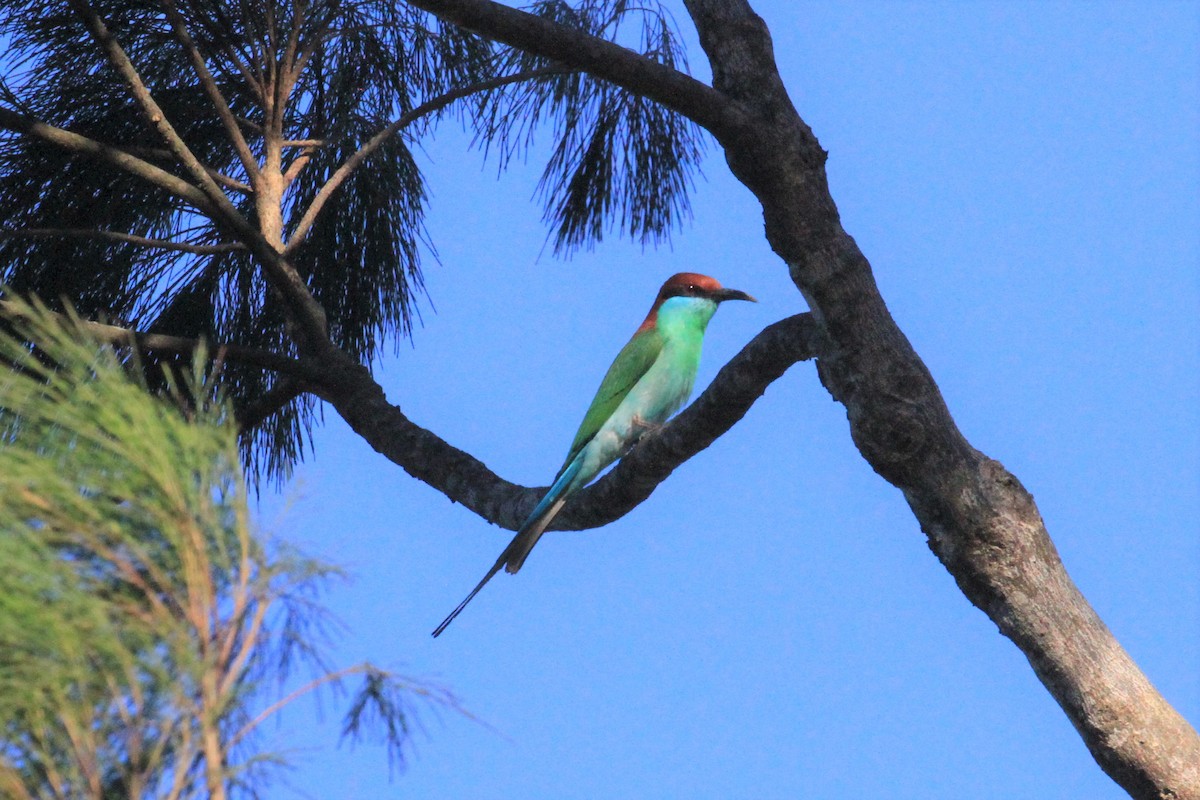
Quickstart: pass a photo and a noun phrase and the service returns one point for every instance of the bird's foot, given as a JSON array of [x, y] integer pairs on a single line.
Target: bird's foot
[[641, 427]]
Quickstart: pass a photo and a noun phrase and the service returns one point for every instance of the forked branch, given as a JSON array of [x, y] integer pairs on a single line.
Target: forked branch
[[982, 524], [249, 163], [430, 106]]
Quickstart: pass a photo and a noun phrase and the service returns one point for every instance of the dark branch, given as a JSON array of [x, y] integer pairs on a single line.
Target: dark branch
[[254, 414], [602, 59], [722, 405], [116, 236], [351, 390], [181, 345], [82, 145], [981, 523]]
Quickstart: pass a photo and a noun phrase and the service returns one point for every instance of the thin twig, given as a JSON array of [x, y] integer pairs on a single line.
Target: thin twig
[[329, 677], [375, 142], [297, 165], [249, 641], [249, 163], [141, 241], [214, 173], [165, 343], [275, 399], [252, 125]]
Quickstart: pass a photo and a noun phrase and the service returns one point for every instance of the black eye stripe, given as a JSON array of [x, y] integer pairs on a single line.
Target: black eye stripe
[[690, 290]]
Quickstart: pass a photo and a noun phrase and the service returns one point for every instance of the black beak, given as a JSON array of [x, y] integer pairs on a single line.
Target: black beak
[[731, 294]]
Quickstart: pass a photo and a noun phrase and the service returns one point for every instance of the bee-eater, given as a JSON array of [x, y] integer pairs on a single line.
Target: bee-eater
[[649, 381]]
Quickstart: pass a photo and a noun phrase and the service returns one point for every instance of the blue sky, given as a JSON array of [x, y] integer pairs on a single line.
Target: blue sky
[[1025, 179]]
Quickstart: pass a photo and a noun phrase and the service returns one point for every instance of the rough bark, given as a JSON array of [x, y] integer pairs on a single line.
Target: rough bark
[[980, 521], [350, 389]]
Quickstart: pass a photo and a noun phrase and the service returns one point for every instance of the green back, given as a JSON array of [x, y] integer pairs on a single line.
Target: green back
[[635, 358]]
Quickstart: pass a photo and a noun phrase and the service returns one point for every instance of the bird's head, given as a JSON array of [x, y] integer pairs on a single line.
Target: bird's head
[[693, 284], [690, 296]]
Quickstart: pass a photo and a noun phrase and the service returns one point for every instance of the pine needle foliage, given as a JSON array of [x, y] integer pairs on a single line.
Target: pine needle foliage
[[145, 628], [306, 84]]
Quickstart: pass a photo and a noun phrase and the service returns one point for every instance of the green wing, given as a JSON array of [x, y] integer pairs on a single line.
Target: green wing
[[630, 365]]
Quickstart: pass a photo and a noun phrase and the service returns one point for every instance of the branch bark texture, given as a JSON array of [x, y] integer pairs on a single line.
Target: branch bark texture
[[981, 522], [350, 389]]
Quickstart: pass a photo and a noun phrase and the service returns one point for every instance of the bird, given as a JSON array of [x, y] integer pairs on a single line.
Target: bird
[[650, 379]]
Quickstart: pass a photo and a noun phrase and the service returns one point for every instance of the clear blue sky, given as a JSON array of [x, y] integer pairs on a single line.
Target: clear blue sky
[[1025, 179]]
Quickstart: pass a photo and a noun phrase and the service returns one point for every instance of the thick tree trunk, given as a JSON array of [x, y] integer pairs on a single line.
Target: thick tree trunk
[[981, 522]]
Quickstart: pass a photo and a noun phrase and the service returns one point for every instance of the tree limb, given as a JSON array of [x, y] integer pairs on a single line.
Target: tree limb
[[249, 163], [254, 414], [113, 155], [981, 522], [349, 387], [182, 345], [571, 47], [375, 142], [221, 178], [141, 241]]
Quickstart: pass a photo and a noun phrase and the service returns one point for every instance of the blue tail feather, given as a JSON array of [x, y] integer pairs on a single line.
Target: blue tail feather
[[527, 536], [556, 490]]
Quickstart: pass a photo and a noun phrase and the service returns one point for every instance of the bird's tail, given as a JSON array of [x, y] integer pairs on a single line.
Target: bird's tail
[[518, 549], [458, 609]]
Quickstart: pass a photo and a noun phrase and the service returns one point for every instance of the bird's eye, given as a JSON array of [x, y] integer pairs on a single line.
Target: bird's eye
[[693, 289]]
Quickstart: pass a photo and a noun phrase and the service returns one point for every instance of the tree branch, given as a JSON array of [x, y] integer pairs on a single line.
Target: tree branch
[[182, 345], [278, 396], [281, 274], [116, 236], [298, 164], [113, 155], [356, 396], [981, 523], [363, 153], [573, 48], [218, 176], [249, 163]]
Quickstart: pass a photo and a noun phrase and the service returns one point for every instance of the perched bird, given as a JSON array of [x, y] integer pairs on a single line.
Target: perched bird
[[649, 381]]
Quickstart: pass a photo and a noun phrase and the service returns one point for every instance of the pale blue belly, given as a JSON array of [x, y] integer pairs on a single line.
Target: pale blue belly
[[659, 393]]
